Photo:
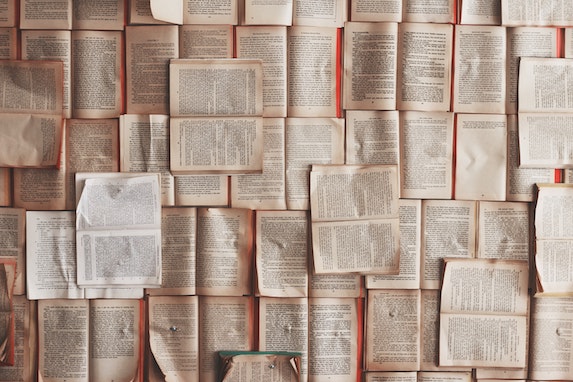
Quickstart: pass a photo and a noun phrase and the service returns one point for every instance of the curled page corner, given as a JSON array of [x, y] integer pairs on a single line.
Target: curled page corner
[[170, 11]]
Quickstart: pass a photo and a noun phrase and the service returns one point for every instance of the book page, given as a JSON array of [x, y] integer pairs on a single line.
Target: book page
[[140, 13], [372, 137], [240, 81], [20, 371], [479, 298], [545, 85], [51, 255], [8, 13], [6, 185], [367, 85], [259, 366], [568, 44], [393, 330], [426, 154], [408, 277], [96, 74], [115, 340], [268, 13], [171, 12], [480, 69], [201, 190], [40, 188], [266, 191], [521, 181], [504, 229], [424, 76], [339, 285], [481, 157], [354, 222], [448, 230], [429, 11], [92, 145], [218, 12], [234, 332], [206, 41], [536, 13], [13, 239], [40, 14], [309, 141], [323, 13], [526, 42], [391, 376], [144, 142], [174, 335], [545, 140], [51, 45], [118, 231], [224, 251], [554, 239], [313, 70], [102, 15], [334, 331], [284, 326], [282, 253], [178, 244], [63, 340], [550, 353], [269, 44], [9, 38], [148, 50], [216, 145], [482, 12], [376, 11]]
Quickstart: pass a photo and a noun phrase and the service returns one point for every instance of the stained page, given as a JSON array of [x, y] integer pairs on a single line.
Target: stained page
[[481, 157]]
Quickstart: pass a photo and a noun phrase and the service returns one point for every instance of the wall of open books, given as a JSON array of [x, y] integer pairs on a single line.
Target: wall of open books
[[286, 190]]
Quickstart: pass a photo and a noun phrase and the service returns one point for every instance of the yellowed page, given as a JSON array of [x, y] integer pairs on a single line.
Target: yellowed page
[[63, 341], [218, 12], [13, 237], [482, 12], [9, 38], [390, 376], [139, 12], [520, 180], [266, 191], [536, 13], [96, 74], [545, 85], [333, 321], [545, 140], [481, 157], [426, 154], [424, 76], [205, 41], [354, 224], [284, 326], [479, 298], [324, 13], [372, 137], [445, 376], [429, 11], [480, 69], [368, 86], [282, 253], [392, 338], [312, 70], [178, 237], [224, 251], [174, 336], [448, 230], [225, 323], [104, 15], [202, 190], [51, 257], [40, 188], [504, 230], [268, 13], [269, 44], [568, 47], [53, 45], [144, 140], [309, 141], [20, 371], [376, 11], [92, 145], [526, 42], [408, 277], [148, 50], [261, 367], [8, 13], [40, 14], [340, 285]]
